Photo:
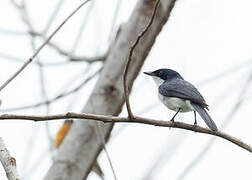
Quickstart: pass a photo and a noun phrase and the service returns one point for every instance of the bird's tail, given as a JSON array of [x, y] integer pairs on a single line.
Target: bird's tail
[[205, 116]]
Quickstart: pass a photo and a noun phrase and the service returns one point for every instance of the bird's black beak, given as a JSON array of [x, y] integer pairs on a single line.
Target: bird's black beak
[[149, 73]]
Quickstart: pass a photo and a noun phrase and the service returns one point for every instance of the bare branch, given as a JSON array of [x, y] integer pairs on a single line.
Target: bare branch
[[100, 135], [80, 148], [229, 71], [8, 162], [113, 35], [41, 47], [125, 84], [82, 27], [10, 57], [71, 56], [230, 116], [53, 15], [54, 99], [140, 120]]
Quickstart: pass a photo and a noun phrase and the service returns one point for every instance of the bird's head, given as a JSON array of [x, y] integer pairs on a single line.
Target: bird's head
[[162, 75]]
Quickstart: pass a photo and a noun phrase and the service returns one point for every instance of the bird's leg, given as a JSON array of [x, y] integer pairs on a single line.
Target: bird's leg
[[195, 121], [175, 115]]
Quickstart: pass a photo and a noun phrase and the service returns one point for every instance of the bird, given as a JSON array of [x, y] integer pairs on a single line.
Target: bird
[[180, 96]]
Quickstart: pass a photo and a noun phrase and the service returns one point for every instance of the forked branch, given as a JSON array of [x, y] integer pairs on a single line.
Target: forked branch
[[129, 59]]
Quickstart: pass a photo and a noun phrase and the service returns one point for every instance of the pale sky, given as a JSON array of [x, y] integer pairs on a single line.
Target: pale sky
[[202, 39]]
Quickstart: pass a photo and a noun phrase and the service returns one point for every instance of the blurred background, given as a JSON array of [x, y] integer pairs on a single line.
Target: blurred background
[[208, 42]]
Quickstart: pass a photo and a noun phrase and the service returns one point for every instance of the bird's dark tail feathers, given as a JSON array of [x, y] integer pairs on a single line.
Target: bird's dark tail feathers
[[205, 116]]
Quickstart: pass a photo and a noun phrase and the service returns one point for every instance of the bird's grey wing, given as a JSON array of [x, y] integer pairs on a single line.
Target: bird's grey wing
[[182, 89]]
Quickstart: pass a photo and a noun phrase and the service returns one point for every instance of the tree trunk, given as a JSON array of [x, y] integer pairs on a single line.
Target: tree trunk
[[82, 146]]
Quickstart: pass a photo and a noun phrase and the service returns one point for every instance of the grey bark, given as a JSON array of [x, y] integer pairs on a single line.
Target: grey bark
[[81, 146], [8, 162]]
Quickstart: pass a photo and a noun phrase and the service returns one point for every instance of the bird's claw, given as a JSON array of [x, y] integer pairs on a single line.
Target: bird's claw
[[195, 125]]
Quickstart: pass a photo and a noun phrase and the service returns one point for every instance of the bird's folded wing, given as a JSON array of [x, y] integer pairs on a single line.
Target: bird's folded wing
[[182, 89]]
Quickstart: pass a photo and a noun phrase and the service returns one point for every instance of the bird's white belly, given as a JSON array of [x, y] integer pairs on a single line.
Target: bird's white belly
[[174, 103]]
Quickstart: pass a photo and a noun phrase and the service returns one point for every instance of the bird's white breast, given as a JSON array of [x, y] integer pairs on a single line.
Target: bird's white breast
[[174, 103]]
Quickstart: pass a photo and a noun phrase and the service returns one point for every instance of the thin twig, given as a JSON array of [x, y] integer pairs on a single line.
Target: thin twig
[[41, 47], [53, 16], [82, 27], [129, 59], [229, 71], [54, 99], [41, 70], [227, 120], [72, 59], [8, 162], [71, 56], [33, 33], [140, 120], [167, 151], [10, 57], [112, 34], [100, 135]]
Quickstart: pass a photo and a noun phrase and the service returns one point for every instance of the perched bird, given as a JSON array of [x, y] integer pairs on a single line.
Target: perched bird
[[180, 95]]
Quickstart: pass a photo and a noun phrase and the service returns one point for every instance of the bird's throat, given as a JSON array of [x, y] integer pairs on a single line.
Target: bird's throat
[[157, 80]]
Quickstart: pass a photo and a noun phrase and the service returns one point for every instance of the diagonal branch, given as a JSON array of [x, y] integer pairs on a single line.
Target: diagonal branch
[[72, 57], [41, 47], [227, 120], [132, 48], [57, 97], [80, 148], [140, 120]]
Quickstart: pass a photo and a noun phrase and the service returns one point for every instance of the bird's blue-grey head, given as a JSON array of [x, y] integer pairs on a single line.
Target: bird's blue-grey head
[[162, 75]]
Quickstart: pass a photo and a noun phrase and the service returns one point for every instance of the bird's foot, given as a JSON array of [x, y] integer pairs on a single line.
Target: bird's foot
[[172, 121], [195, 125]]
